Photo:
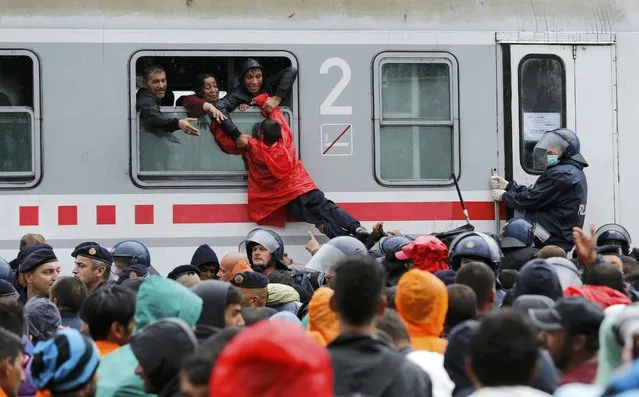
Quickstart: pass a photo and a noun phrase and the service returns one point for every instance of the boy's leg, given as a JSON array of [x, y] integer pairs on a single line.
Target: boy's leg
[[314, 207]]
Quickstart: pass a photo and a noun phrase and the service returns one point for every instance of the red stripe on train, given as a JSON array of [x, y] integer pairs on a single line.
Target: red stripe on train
[[430, 211]]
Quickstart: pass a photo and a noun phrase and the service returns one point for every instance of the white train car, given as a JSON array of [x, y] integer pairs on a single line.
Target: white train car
[[423, 90]]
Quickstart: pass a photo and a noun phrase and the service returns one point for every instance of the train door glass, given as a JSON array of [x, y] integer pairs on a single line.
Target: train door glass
[[571, 86]]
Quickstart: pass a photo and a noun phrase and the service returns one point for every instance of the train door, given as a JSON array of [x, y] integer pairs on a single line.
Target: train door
[[563, 85]]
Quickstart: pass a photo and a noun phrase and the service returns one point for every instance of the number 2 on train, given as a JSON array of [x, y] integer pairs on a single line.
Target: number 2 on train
[[327, 108]]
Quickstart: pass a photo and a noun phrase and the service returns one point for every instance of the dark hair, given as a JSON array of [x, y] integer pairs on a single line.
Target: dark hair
[[152, 69], [630, 264], [480, 278], [503, 350], [115, 304], [132, 284], [551, 251], [507, 278], [359, 285], [271, 131], [605, 275], [13, 318], [10, 344], [281, 277], [69, 293], [198, 83], [462, 305], [253, 315], [233, 296], [393, 326], [199, 366], [390, 297]]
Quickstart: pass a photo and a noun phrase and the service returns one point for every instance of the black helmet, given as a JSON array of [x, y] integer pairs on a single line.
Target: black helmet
[[614, 234], [475, 245]]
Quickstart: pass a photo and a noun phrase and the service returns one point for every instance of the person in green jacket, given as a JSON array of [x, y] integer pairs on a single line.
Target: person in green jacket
[[157, 298]]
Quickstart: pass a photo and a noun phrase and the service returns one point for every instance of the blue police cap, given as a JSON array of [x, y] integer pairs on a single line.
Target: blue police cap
[[249, 280], [182, 270], [37, 258], [7, 291], [133, 271], [26, 251], [93, 250]]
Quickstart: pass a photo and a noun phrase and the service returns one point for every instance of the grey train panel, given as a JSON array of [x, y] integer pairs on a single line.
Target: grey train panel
[[86, 104]]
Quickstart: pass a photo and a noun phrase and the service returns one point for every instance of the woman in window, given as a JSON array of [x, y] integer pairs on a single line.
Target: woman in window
[[200, 104]]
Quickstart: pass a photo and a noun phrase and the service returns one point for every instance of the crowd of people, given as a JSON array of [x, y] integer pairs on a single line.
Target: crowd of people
[[479, 315]]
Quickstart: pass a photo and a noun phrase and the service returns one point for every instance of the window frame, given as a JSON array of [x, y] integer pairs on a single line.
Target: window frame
[[197, 179], [520, 109], [9, 180], [390, 57]]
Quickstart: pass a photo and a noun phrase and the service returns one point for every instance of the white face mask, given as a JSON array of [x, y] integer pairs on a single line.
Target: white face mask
[[552, 159]]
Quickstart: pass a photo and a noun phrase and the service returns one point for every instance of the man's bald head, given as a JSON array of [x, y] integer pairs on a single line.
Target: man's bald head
[[228, 263]]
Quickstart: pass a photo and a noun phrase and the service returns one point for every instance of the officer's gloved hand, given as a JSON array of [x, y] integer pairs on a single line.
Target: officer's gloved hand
[[497, 182], [497, 194]]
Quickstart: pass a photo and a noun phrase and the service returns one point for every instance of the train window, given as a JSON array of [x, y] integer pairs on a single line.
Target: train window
[[178, 159], [19, 119], [542, 103], [417, 119]]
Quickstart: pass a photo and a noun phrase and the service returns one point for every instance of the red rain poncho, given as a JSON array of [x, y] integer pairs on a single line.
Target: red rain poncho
[[275, 175], [599, 294], [272, 359]]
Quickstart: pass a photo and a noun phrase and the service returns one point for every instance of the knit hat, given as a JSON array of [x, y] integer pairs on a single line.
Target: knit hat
[[64, 363], [43, 318]]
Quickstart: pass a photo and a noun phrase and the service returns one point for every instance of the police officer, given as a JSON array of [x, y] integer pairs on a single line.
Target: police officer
[[614, 234], [558, 199], [518, 240], [477, 247], [92, 264], [386, 250], [131, 252], [265, 250]]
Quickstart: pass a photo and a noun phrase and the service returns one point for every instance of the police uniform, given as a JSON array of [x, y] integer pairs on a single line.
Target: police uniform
[[133, 271], [37, 258], [249, 280]]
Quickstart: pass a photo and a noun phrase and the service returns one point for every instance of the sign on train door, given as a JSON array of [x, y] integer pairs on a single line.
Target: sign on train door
[[564, 85]]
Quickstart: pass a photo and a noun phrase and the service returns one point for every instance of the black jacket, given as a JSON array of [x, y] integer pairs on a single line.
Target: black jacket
[[160, 349], [365, 365], [148, 104], [557, 201], [516, 258], [279, 85]]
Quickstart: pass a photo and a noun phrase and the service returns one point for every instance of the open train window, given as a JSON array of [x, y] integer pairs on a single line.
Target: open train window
[[417, 118], [179, 160], [542, 104], [19, 119]]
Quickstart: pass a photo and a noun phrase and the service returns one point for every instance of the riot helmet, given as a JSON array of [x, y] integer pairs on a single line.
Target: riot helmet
[[388, 246], [334, 251], [566, 271], [522, 233], [130, 252], [269, 240], [614, 234], [6, 273], [562, 141], [474, 245]]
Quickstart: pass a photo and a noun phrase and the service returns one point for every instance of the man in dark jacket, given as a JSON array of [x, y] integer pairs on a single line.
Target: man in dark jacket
[[252, 83], [361, 363], [147, 102], [517, 243], [221, 308], [160, 349], [558, 199]]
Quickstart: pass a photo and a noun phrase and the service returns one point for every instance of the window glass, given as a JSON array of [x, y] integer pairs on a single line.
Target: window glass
[[542, 103], [417, 120], [18, 162], [180, 158]]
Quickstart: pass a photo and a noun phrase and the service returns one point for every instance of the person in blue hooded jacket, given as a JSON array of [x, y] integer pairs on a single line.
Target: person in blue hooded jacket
[[557, 201]]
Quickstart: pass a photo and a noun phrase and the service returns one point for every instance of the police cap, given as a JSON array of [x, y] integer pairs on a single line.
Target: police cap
[[249, 280], [37, 258], [93, 250], [133, 271], [182, 270]]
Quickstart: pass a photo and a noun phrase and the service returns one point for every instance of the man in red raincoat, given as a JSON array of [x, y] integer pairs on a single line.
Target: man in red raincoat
[[278, 182]]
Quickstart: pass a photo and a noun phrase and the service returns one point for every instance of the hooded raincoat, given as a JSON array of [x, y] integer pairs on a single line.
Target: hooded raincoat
[[213, 294], [276, 176], [157, 298], [322, 321], [422, 303]]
